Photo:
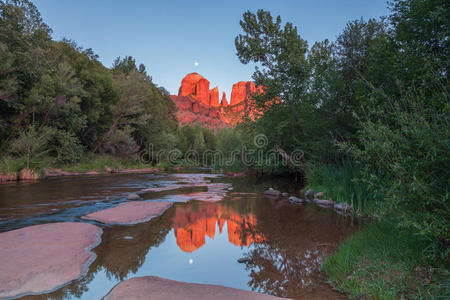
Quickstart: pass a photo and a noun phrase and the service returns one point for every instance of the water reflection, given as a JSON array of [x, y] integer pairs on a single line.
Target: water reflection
[[201, 241], [193, 223]]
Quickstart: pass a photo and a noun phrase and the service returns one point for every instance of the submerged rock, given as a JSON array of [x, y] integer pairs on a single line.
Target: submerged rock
[[295, 200], [323, 202], [130, 213], [133, 196], [152, 287], [41, 258], [272, 192], [243, 260]]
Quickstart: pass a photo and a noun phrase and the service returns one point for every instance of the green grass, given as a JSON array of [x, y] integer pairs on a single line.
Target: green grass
[[381, 262], [342, 183]]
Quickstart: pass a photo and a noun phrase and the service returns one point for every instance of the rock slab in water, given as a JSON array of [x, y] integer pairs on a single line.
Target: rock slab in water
[[295, 200], [133, 196], [322, 202], [155, 288], [41, 258], [273, 193], [130, 213]]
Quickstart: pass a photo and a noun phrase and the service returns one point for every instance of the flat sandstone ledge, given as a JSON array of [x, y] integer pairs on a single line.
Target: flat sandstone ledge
[[42, 258], [155, 288], [130, 213]]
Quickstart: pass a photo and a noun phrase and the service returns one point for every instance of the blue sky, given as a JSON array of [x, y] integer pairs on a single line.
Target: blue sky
[[170, 36]]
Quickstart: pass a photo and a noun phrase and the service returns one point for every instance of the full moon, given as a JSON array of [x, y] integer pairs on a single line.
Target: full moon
[[196, 64]]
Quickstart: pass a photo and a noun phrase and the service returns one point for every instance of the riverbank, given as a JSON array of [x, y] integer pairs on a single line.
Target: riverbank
[[381, 261], [15, 170]]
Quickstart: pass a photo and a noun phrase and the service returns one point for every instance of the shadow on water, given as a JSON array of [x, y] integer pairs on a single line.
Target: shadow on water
[[196, 241]]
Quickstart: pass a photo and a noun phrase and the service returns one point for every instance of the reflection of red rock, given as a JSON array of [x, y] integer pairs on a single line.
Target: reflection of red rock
[[192, 226], [236, 235]]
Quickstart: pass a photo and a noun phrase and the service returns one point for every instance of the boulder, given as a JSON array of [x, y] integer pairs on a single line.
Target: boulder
[[8, 177], [323, 202], [273, 193], [284, 194], [28, 174], [309, 195], [152, 287], [295, 200]]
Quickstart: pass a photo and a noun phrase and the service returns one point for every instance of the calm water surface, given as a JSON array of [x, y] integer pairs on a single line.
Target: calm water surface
[[196, 241]]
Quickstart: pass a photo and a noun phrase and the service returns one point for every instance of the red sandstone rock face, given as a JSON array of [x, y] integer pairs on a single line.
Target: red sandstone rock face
[[214, 97], [224, 100], [238, 93], [196, 103], [190, 110], [151, 287], [196, 85], [132, 212], [41, 258]]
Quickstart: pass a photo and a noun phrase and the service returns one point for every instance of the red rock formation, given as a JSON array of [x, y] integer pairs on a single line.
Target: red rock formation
[[214, 97], [197, 103], [196, 85], [224, 101], [191, 111], [242, 91]]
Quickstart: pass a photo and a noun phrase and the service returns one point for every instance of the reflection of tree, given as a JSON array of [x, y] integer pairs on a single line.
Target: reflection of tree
[[286, 263], [119, 256]]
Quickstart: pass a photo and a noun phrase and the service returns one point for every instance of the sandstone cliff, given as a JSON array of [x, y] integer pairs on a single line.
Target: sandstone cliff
[[197, 103]]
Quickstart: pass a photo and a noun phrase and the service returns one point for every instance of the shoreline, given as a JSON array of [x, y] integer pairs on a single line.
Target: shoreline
[[32, 175]]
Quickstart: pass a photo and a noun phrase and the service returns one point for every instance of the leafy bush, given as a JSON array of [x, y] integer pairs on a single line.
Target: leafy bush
[[31, 145], [67, 147]]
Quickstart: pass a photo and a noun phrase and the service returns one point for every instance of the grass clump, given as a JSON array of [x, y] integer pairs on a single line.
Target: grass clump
[[343, 183], [382, 262]]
